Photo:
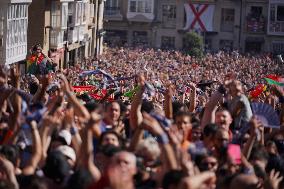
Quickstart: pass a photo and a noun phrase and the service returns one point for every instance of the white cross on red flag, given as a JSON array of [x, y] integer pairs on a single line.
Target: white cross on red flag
[[199, 17]]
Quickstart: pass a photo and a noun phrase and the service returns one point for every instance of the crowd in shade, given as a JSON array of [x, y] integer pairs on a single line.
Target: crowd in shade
[[143, 119]]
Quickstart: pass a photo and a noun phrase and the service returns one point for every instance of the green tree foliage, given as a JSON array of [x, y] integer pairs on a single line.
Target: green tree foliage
[[193, 44]]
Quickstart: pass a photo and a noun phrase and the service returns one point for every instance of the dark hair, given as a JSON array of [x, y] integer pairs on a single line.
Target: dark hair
[[178, 106], [56, 167], [35, 47], [259, 153], [184, 113], [172, 177], [210, 130], [32, 182], [275, 162], [80, 179], [93, 106], [109, 150], [33, 88], [11, 153], [147, 106], [107, 133], [110, 103]]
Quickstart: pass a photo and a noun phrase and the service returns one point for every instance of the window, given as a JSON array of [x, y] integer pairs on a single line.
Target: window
[[64, 13], [272, 12], [1, 26], [169, 11], [132, 6], [92, 10], [276, 13], [55, 14], [278, 47], [140, 37], [276, 24], [280, 13], [226, 45], [148, 6], [167, 42], [84, 12], [141, 6], [79, 13], [169, 15], [227, 20], [71, 17], [111, 3], [255, 12], [255, 20]]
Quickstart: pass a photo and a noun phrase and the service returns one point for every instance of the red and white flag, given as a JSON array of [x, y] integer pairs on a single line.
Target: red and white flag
[[199, 17]]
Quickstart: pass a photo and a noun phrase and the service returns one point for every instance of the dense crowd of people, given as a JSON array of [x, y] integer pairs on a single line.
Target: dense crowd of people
[[144, 119]]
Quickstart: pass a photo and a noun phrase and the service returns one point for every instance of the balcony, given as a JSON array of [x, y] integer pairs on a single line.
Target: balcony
[[112, 13], [56, 38], [255, 26], [276, 28], [73, 35], [76, 34]]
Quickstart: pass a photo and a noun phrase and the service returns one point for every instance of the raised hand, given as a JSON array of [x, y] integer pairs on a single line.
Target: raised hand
[[272, 182], [152, 125], [64, 84]]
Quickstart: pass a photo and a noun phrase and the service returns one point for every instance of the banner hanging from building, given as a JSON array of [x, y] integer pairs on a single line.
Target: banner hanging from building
[[199, 17]]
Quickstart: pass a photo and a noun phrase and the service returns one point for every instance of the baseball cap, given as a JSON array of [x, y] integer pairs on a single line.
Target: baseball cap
[[67, 151], [66, 135]]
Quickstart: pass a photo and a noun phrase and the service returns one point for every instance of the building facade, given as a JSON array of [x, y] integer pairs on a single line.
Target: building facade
[[13, 30], [68, 30], [247, 25]]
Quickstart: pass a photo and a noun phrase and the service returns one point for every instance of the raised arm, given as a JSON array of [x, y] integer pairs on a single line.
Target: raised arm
[[44, 82], [135, 112], [168, 103], [152, 125], [211, 107], [36, 151], [86, 157], [80, 110], [8, 170], [192, 97]]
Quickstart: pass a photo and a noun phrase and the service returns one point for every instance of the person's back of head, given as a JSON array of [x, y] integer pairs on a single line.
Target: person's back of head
[[32, 182], [172, 179], [210, 130], [11, 153], [80, 179], [245, 182], [56, 167]]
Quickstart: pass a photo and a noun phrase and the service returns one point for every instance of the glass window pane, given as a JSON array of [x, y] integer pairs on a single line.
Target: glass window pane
[[132, 6], [141, 6]]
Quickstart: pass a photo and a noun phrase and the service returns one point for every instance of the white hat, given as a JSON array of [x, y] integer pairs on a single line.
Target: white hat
[[67, 151], [66, 135]]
